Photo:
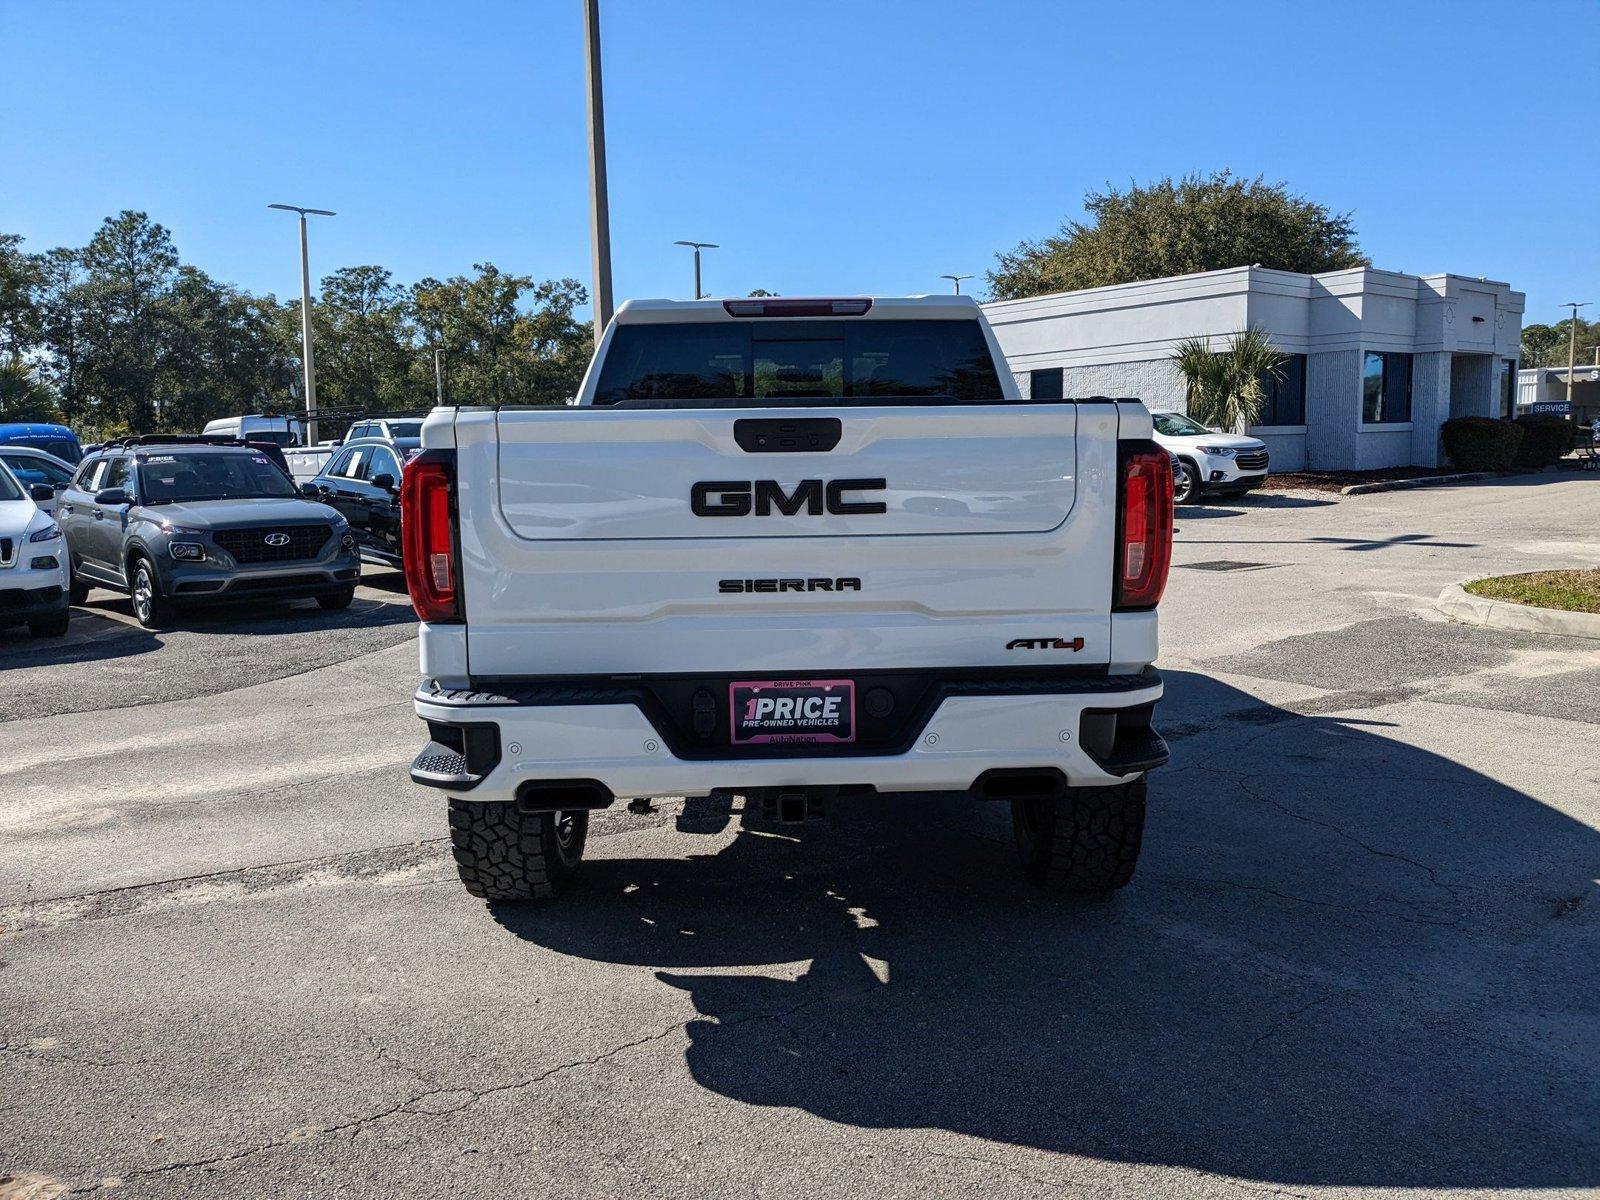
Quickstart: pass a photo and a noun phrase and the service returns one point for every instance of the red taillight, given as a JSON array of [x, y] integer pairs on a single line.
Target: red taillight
[[428, 536], [1144, 534], [853, 307]]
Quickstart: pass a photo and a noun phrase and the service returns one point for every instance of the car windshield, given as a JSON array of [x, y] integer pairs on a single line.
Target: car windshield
[[772, 363], [217, 476], [8, 486], [1177, 425]]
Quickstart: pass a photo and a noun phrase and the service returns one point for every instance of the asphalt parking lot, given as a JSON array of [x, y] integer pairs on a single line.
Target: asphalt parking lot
[[1359, 953]]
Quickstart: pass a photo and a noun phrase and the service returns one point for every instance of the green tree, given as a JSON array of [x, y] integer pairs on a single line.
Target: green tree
[[223, 353], [19, 285], [24, 396], [495, 352], [1227, 387], [130, 266], [1549, 345], [1198, 223], [367, 344]]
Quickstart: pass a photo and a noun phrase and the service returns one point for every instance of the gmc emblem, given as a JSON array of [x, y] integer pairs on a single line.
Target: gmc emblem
[[759, 497]]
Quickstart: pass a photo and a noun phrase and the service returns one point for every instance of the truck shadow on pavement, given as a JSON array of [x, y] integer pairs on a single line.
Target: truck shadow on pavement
[[1344, 960]]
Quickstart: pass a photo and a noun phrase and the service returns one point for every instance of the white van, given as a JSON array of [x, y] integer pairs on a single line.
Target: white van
[[286, 431]]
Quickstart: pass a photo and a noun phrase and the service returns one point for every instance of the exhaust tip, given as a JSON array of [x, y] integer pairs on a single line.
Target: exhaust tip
[[1020, 783], [563, 795]]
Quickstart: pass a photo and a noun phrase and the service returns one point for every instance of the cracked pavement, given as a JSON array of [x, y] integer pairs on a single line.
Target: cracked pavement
[[1358, 955]]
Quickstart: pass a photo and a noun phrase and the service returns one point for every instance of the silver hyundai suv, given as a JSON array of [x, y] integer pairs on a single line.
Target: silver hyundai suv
[[173, 523]]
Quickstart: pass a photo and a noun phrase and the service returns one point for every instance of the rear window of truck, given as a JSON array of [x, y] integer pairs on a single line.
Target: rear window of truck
[[776, 363]]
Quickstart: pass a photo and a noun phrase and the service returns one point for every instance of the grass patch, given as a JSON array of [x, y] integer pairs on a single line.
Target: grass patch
[[1571, 591]]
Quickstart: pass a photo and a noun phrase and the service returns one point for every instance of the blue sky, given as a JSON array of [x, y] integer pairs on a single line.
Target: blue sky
[[831, 146]]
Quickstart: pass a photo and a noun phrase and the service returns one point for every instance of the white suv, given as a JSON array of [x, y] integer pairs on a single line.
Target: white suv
[[1209, 462], [33, 561]]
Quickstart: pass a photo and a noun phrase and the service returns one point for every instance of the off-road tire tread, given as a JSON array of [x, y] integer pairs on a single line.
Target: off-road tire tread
[[503, 854], [1094, 839]]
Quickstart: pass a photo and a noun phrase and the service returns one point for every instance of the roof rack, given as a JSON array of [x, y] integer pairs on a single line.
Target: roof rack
[[178, 439]]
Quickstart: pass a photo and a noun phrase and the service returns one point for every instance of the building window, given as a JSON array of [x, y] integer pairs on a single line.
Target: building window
[[1385, 388], [1046, 385], [1285, 393], [1508, 387]]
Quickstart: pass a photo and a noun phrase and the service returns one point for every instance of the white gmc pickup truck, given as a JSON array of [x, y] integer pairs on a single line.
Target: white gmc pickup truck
[[789, 549]]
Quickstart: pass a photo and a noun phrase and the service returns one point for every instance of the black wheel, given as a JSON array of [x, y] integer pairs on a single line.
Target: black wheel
[[150, 607], [77, 591], [503, 854], [1186, 484], [1087, 840], [336, 600], [54, 625]]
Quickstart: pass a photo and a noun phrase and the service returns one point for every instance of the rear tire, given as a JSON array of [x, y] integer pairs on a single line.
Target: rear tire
[[332, 601], [1086, 840], [503, 854]]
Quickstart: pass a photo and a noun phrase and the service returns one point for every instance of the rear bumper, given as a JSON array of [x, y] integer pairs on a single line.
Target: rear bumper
[[1097, 734]]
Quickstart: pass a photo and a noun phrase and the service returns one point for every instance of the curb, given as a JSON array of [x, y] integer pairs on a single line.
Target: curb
[[1401, 485], [1460, 605]]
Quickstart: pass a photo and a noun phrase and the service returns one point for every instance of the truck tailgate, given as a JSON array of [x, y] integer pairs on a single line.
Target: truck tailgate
[[675, 541]]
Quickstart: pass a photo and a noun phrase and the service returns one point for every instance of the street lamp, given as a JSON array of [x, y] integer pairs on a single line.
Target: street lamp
[[956, 280], [599, 201], [1572, 346], [305, 315], [698, 246]]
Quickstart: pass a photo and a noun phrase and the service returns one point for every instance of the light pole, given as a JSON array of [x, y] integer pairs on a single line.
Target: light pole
[[956, 280], [1572, 346], [698, 246], [599, 205], [438, 376], [305, 315]]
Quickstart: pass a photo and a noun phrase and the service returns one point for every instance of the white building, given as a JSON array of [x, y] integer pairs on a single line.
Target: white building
[[1378, 360], [1544, 390]]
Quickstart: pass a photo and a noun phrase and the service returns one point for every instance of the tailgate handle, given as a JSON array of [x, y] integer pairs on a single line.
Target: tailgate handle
[[787, 435]]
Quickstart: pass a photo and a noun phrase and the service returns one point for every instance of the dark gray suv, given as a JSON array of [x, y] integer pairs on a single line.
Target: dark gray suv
[[172, 522]]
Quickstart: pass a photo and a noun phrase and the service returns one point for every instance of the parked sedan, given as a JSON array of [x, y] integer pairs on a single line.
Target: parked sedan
[[1210, 463], [362, 481], [37, 468]]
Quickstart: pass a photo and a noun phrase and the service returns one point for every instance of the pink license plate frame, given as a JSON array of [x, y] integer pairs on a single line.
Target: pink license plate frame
[[800, 722]]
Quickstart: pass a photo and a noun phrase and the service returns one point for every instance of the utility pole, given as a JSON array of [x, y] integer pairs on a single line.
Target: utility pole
[[698, 246], [599, 206], [306, 354], [438, 376], [1572, 346], [956, 280]]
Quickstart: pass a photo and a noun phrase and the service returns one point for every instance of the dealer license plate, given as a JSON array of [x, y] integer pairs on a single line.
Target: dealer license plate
[[796, 711]]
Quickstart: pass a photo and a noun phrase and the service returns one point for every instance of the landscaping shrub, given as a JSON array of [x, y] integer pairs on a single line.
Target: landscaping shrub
[[1545, 439], [1481, 443]]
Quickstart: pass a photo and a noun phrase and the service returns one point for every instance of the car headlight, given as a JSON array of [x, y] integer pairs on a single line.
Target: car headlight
[[186, 551], [48, 534], [1220, 451]]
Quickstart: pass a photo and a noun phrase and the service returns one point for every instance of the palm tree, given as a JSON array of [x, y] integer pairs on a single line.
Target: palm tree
[[23, 397], [1226, 387]]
